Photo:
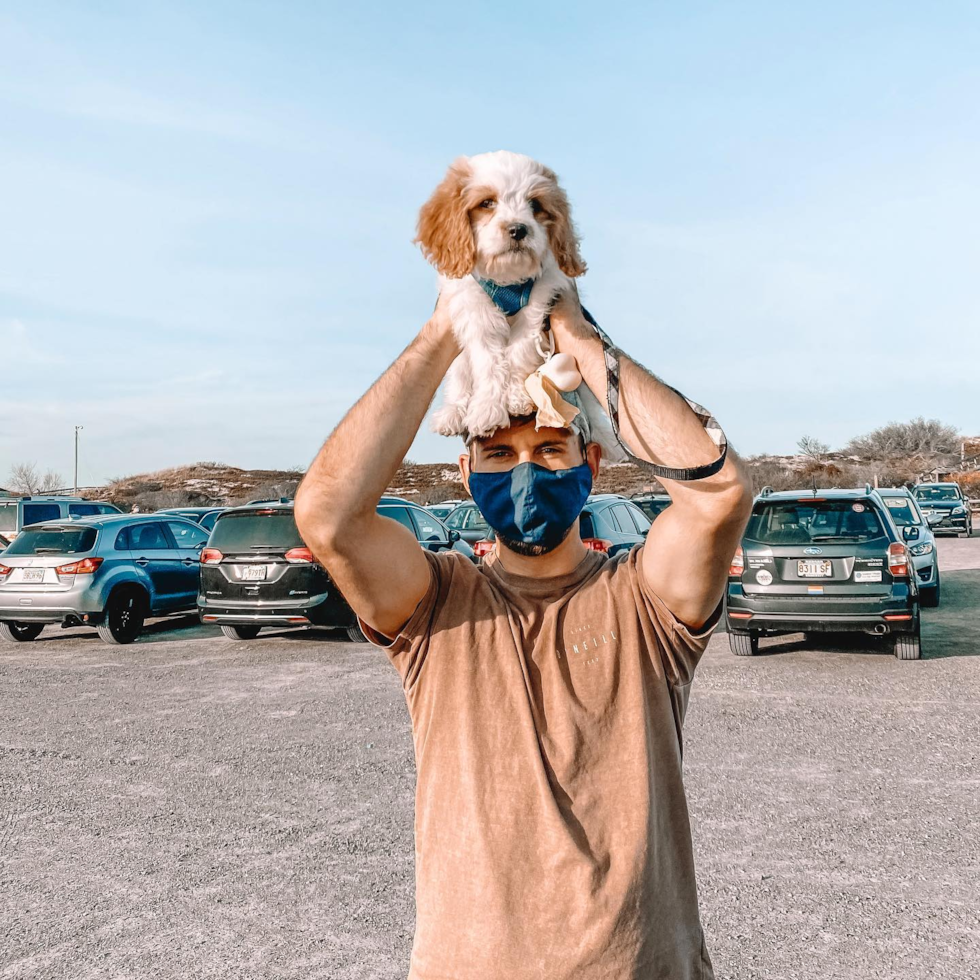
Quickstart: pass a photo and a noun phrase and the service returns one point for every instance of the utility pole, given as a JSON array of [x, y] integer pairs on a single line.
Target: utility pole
[[74, 491]]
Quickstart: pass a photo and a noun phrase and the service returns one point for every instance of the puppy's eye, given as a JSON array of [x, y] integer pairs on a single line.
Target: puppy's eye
[[488, 205], [536, 207]]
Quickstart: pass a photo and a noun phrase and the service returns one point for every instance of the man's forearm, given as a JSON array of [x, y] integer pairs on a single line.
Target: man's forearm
[[362, 455]]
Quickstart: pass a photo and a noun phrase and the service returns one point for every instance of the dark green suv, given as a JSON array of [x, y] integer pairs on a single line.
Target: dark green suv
[[944, 507], [823, 561]]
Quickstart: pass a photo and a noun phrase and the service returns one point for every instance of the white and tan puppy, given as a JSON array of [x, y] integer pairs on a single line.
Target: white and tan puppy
[[499, 224]]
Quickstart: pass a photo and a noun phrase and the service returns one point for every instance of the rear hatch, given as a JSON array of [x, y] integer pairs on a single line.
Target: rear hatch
[[48, 557], [258, 556], [817, 547]]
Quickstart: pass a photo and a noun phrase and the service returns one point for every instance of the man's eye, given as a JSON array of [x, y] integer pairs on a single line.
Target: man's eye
[[536, 207], [488, 204]]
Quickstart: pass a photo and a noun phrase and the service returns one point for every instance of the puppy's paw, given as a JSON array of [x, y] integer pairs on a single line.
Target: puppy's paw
[[484, 418], [449, 420], [518, 400]]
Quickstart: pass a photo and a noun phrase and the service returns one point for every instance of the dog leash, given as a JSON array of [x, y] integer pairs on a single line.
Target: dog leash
[[611, 356]]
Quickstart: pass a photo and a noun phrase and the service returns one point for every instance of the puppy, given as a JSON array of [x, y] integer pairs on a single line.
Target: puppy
[[499, 224]]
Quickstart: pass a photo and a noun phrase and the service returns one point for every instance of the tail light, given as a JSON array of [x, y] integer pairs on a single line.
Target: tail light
[[5, 570], [898, 560], [210, 556], [737, 566], [300, 555], [84, 567], [597, 544], [482, 548]]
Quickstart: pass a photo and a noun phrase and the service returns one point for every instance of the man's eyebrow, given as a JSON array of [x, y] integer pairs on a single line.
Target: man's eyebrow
[[488, 446]]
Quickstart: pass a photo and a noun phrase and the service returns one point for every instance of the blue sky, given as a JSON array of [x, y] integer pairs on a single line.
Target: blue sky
[[207, 209]]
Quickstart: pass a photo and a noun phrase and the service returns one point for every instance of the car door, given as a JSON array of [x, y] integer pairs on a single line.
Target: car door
[[154, 551], [189, 538]]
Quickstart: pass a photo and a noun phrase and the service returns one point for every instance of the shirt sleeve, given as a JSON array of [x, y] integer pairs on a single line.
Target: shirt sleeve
[[682, 647], [407, 651]]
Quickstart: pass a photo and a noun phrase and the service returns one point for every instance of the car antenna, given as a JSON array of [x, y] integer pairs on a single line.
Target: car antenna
[[813, 483]]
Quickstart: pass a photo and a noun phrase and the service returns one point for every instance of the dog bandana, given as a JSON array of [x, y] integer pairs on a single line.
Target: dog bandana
[[508, 299]]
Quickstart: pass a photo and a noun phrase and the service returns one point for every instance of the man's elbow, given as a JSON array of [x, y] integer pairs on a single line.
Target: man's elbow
[[317, 523]]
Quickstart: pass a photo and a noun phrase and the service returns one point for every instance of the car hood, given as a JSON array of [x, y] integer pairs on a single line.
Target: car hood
[[941, 504]]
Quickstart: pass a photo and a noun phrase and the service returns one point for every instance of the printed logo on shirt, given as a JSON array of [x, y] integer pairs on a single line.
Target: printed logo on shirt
[[586, 644]]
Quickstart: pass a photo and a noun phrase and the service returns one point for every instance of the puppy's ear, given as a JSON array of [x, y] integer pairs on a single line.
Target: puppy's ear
[[561, 232], [444, 231]]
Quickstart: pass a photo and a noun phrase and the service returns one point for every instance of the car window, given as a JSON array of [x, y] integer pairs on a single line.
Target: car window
[[255, 531], [611, 516], [951, 492], [473, 520], [401, 515], [148, 537], [428, 526], [122, 540], [455, 519], [8, 516], [803, 521], [83, 510], [640, 520], [586, 527], [187, 535], [53, 541], [35, 513], [207, 521], [902, 510]]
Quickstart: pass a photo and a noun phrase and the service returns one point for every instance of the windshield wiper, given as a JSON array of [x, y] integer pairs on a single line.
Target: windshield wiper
[[52, 551], [838, 537]]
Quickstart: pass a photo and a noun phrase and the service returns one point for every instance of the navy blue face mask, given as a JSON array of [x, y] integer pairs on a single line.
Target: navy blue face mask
[[531, 504]]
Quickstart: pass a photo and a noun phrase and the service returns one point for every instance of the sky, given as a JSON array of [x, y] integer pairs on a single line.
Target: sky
[[207, 209]]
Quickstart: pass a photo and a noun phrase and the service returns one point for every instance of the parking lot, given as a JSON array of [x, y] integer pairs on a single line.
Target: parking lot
[[194, 807]]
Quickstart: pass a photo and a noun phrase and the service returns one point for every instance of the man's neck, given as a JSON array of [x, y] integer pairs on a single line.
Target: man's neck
[[563, 560]]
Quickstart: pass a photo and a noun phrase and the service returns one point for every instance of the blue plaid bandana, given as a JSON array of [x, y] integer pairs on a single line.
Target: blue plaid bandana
[[508, 299]]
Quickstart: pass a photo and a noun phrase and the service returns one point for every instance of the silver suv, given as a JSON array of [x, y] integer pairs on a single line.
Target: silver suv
[[109, 572], [18, 512]]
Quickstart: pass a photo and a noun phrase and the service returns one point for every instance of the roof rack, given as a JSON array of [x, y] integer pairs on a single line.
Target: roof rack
[[867, 489], [765, 491]]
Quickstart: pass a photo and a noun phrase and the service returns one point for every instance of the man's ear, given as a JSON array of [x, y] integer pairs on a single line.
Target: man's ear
[[464, 470], [593, 456]]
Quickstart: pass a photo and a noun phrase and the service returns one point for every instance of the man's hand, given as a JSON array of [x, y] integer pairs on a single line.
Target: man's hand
[[375, 562], [690, 546]]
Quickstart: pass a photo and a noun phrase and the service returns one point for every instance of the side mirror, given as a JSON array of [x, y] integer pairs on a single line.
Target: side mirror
[[910, 532], [454, 536]]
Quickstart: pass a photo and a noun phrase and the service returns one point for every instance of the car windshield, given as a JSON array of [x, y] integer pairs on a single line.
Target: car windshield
[[937, 493], [8, 516], [467, 519], [803, 521], [263, 530], [901, 510], [52, 541]]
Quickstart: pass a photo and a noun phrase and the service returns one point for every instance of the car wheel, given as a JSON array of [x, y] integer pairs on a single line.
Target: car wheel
[[744, 644], [355, 634], [241, 632], [907, 646], [930, 597], [21, 632], [124, 615]]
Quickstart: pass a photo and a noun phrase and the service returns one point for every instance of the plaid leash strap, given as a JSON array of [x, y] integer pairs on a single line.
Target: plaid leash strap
[[611, 355]]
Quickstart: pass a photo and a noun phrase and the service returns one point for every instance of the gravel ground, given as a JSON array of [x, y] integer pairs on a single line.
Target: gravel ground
[[191, 807]]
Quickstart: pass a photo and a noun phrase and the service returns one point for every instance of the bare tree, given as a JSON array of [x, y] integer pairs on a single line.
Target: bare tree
[[927, 439], [25, 479], [814, 448]]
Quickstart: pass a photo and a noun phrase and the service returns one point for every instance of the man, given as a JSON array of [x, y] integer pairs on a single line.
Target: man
[[547, 689]]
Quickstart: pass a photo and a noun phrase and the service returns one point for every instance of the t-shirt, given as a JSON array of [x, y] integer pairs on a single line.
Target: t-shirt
[[552, 839]]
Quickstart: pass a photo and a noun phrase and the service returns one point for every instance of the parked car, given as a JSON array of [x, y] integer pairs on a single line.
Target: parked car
[[469, 522], [608, 523], [110, 572], [256, 570], [823, 561], [904, 511], [196, 514], [946, 503], [19, 512], [444, 508], [652, 504]]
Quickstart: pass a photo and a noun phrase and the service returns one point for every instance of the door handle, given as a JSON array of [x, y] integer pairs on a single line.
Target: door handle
[[188, 562], [143, 562]]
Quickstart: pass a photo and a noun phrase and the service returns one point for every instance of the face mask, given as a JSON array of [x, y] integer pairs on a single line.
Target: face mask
[[530, 503]]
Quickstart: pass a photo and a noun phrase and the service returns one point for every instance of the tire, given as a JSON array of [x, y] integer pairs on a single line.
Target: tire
[[21, 632], [241, 632], [930, 597], [744, 644], [907, 646], [355, 634], [124, 615]]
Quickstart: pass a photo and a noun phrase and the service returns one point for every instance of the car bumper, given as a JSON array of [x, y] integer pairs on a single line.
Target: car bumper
[[949, 523], [325, 610], [50, 607]]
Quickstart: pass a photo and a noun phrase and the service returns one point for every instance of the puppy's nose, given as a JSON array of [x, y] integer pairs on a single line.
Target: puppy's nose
[[517, 232]]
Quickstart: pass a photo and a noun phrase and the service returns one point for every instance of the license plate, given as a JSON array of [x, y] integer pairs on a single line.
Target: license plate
[[254, 573], [33, 574], [815, 569]]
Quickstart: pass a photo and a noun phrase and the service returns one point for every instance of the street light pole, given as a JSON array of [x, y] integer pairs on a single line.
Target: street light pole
[[74, 491]]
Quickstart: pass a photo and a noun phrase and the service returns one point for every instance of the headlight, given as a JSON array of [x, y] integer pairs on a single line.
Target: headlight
[[958, 510], [921, 549]]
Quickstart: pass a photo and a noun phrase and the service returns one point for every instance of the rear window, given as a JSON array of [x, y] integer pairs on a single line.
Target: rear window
[[256, 531], [8, 516], [938, 493], [36, 513], [91, 510], [803, 521], [901, 510], [53, 541]]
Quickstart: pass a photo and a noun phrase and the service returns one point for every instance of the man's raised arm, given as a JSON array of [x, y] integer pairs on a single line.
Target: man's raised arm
[[690, 546], [374, 561]]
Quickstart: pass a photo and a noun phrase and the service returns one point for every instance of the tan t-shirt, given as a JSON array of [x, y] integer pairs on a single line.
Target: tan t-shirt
[[552, 839]]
